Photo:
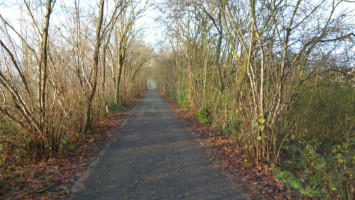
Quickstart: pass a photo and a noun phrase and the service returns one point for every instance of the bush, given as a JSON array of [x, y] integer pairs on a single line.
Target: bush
[[328, 176], [10, 143], [113, 107], [183, 100], [326, 113], [204, 116]]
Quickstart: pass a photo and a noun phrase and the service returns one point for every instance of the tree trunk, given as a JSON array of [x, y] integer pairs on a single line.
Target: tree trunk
[[93, 83], [118, 80], [43, 68]]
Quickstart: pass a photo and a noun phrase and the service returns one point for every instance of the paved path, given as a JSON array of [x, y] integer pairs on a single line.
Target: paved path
[[156, 158]]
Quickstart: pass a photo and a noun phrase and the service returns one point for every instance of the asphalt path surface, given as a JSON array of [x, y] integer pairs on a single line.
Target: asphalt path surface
[[156, 158]]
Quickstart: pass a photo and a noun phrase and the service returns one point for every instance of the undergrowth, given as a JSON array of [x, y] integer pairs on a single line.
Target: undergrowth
[[203, 115], [113, 107], [329, 175]]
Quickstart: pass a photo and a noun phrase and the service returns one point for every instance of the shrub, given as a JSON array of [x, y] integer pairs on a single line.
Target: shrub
[[183, 101], [204, 116], [329, 175], [11, 147], [113, 107]]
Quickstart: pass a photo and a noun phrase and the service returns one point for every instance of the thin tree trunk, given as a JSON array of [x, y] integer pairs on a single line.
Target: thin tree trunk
[[119, 79], [87, 120], [219, 44], [43, 68], [121, 55]]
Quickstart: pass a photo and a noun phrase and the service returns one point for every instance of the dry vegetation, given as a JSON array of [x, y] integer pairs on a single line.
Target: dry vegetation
[[276, 76], [63, 67]]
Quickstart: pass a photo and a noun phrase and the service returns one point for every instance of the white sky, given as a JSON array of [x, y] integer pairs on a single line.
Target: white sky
[[153, 31]]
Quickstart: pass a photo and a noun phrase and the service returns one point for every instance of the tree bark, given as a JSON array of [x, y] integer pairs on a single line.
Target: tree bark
[[93, 83], [43, 67]]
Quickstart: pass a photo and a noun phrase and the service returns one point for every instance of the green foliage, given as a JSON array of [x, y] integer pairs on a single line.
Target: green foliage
[[11, 146], [183, 100], [65, 145], [7, 126], [65, 189], [234, 127], [204, 116], [113, 107], [319, 175], [63, 142], [128, 101], [321, 151], [258, 124]]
